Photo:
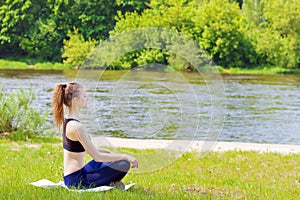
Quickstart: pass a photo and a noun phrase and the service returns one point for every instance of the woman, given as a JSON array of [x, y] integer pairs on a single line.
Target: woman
[[106, 168]]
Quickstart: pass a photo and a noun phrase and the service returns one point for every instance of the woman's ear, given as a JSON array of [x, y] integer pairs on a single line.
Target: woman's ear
[[75, 100]]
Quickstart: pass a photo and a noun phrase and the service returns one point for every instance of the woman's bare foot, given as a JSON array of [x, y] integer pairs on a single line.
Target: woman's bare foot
[[118, 185]]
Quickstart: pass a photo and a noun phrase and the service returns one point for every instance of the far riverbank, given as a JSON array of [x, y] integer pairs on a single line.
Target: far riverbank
[[10, 64]]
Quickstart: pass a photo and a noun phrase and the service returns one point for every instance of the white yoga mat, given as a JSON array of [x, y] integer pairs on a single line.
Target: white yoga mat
[[44, 183]]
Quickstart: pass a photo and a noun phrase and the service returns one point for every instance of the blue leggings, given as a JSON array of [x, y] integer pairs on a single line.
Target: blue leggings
[[95, 174]]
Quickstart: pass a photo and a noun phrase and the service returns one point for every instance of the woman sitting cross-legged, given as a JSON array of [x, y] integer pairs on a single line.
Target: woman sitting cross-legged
[[106, 168]]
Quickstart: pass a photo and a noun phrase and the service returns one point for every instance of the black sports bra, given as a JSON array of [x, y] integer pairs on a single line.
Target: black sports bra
[[71, 145]]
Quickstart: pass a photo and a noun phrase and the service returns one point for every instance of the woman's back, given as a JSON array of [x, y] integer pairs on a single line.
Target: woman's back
[[73, 155]]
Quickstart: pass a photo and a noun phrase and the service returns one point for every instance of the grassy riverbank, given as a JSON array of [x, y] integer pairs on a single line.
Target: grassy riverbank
[[226, 175], [259, 70], [9, 64]]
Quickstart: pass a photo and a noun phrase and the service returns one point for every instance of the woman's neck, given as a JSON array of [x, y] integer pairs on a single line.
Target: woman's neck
[[72, 114], [72, 117]]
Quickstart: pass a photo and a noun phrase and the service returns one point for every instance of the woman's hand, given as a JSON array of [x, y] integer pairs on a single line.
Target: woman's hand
[[133, 161]]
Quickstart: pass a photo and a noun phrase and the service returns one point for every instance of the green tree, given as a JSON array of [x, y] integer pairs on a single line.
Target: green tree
[[276, 34], [29, 29], [94, 19], [76, 49], [42, 41], [14, 23], [172, 14], [36, 29], [131, 6], [253, 12], [217, 28]]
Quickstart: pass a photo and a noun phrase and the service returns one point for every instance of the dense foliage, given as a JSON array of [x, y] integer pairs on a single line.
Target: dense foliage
[[235, 33], [36, 29]]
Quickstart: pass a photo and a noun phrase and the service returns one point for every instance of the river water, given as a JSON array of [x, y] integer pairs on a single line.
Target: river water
[[258, 108]]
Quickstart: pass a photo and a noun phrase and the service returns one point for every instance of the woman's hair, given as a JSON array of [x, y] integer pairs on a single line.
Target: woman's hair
[[63, 95]]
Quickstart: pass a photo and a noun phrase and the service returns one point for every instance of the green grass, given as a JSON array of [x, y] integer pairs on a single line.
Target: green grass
[[38, 65], [6, 64], [228, 175], [9, 64], [259, 70]]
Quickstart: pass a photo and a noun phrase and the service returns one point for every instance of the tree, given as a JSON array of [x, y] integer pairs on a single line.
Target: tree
[[253, 12], [36, 29], [276, 35], [76, 49], [28, 28], [217, 29], [171, 14], [132, 6], [14, 22], [42, 41]]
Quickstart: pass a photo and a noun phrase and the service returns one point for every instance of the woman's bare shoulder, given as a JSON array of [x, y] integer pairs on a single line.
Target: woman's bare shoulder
[[75, 123], [74, 129]]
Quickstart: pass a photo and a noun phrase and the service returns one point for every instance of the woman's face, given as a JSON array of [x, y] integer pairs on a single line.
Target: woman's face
[[82, 98]]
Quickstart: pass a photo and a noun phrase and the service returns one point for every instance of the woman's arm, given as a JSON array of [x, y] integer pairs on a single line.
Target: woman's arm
[[78, 131], [104, 151]]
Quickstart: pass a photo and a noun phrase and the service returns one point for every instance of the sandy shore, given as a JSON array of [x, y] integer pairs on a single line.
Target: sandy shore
[[194, 145]]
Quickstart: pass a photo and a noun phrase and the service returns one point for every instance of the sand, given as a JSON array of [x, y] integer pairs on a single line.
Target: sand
[[186, 145]]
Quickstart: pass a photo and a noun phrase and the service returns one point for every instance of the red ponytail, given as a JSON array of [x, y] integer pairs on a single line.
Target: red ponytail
[[63, 95], [58, 104]]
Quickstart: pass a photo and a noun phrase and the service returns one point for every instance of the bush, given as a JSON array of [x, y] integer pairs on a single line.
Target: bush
[[178, 63], [218, 31], [76, 49], [18, 119]]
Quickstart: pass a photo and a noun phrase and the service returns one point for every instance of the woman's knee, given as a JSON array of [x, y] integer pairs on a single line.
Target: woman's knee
[[123, 165]]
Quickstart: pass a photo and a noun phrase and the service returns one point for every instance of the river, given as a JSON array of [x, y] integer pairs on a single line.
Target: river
[[156, 105]]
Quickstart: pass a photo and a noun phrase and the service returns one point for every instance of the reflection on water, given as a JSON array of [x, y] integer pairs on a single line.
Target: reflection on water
[[259, 108]]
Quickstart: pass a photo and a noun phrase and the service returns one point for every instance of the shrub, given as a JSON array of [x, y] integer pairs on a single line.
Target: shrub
[[18, 118], [76, 49]]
